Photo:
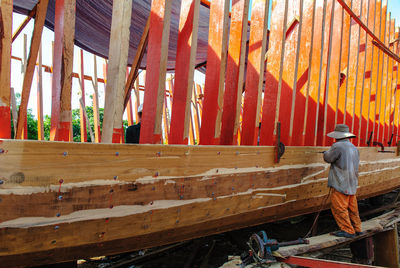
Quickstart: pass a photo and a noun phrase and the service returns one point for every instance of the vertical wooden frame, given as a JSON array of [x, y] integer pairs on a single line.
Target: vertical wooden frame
[[157, 53], [356, 94], [366, 81], [215, 73], [381, 60], [64, 33], [274, 73], [396, 89], [374, 75], [6, 10], [83, 106], [389, 89], [116, 73], [29, 67], [184, 69], [39, 96], [235, 72], [96, 114]]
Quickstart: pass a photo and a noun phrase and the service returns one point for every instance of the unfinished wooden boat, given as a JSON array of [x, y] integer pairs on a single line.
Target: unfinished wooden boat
[[62, 201]]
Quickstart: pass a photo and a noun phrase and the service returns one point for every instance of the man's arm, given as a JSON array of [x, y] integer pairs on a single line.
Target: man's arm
[[331, 155]]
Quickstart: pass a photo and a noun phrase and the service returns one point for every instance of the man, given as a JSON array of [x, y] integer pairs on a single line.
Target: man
[[343, 180], [133, 132]]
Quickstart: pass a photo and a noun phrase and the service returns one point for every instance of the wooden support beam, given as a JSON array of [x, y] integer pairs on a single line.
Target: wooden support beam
[[116, 74], [255, 73], [196, 115], [41, 11], [133, 74], [374, 74], [96, 114], [157, 54], [184, 69], [215, 73], [6, 10], [82, 101], [235, 72], [39, 96], [28, 18], [64, 33], [312, 262], [393, 89], [397, 102], [14, 110], [366, 81], [387, 248]]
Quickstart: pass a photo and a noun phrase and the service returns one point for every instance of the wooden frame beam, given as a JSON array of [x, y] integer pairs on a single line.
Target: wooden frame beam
[[184, 69], [6, 10], [64, 32], [157, 54], [215, 73], [116, 74], [28, 18], [29, 68], [235, 72]]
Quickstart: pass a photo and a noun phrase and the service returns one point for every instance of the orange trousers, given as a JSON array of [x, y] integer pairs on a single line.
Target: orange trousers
[[345, 211]]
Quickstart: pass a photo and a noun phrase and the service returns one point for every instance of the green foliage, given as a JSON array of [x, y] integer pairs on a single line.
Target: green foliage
[[76, 128]]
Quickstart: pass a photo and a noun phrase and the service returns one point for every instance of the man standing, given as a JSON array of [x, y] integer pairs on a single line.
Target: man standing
[[133, 132], [343, 180]]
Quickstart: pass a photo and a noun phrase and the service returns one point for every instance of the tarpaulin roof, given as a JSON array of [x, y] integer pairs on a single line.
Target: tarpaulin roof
[[93, 24]]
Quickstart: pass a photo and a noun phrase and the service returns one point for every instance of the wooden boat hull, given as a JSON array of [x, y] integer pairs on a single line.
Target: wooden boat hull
[[64, 201]]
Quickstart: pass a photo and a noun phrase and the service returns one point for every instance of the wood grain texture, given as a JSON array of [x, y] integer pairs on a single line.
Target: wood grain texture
[[215, 73], [64, 32], [184, 69], [116, 73], [148, 195], [6, 10]]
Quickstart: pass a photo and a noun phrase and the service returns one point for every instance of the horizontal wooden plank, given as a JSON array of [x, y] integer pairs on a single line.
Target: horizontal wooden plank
[[60, 198]]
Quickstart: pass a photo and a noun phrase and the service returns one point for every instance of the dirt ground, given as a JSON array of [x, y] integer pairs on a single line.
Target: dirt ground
[[225, 248]]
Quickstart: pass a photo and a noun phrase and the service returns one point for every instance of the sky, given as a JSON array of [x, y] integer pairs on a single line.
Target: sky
[[48, 37]]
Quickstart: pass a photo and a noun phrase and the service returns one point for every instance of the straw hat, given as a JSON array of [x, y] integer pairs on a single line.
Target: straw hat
[[341, 132]]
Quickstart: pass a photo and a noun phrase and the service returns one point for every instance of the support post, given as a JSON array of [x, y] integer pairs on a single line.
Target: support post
[[116, 74], [387, 248], [157, 53], [184, 69], [6, 9], [235, 72], [39, 104], [82, 101], [96, 115], [215, 73], [64, 32], [29, 68]]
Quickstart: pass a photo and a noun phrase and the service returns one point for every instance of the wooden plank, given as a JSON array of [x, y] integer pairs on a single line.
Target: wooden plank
[[329, 75], [387, 248], [397, 95], [133, 74], [157, 53], [39, 96], [14, 111], [374, 74], [366, 81], [235, 72], [184, 69], [116, 74], [312, 262], [215, 73], [224, 189], [389, 89], [64, 32], [82, 109], [96, 114], [273, 78], [6, 10], [196, 115], [24, 23], [393, 101], [358, 76], [41, 11], [381, 57]]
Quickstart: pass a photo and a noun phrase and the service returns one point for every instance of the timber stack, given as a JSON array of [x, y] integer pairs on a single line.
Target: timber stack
[[279, 75]]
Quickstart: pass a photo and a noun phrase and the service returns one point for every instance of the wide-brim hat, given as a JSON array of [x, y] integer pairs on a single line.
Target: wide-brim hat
[[341, 131]]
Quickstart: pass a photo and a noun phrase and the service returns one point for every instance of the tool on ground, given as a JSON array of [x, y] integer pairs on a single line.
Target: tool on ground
[[261, 247]]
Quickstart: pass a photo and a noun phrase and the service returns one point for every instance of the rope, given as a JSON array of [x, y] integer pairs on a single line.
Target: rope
[[319, 212]]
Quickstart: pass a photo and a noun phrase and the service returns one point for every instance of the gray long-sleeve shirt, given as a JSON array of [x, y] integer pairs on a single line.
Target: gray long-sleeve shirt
[[344, 159]]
